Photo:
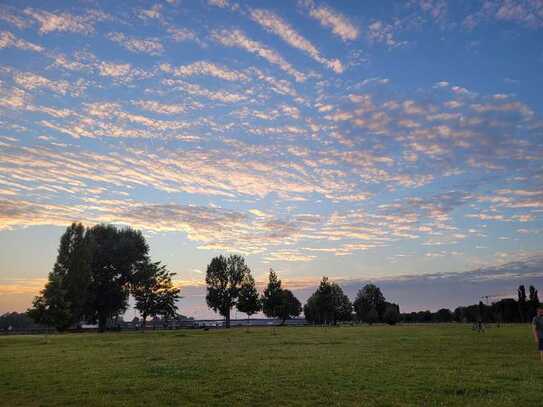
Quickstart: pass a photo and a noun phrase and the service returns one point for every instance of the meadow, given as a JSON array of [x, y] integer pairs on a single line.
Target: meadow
[[361, 365]]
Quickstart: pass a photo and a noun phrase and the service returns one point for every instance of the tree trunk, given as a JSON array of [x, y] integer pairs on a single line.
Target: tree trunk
[[144, 317], [227, 317], [102, 320]]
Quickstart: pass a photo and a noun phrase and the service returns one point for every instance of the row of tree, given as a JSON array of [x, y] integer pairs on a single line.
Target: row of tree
[[506, 310], [230, 284], [95, 272]]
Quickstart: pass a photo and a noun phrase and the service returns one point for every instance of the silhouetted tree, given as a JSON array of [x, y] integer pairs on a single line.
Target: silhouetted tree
[[271, 298], [17, 321], [51, 307], [368, 298], [116, 254], [533, 302], [391, 315], [290, 306], [328, 304], [154, 292], [278, 302], [69, 278], [224, 278], [443, 315], [522, 303], [371, 316], [249, 300]]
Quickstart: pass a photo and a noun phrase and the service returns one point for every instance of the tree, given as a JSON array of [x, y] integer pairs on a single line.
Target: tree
[[278, 302], [328, 304], [290, 306], [51, 307], [116, 254], [224, 277], [17, 321], [522, 303], [371, 316], [368, 298], [73, 266], [444, 315], [63, 302], [271, 298], [391, 315], [533, 302], [249, 299], [154, 292]]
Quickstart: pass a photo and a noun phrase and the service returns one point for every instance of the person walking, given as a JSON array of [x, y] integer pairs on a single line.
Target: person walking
[[537, 328]]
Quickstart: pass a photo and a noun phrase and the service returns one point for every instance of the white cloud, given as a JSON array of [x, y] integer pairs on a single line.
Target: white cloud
[[329, 18], [273, 23], [151, 46], [236, 38]]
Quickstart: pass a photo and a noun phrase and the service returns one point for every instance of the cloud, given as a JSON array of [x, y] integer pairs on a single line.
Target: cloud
[[151, 46], [7, 39], [161, 108], [65, 22], [204, 68], [329, 18], [30, 81], [275, 24], [379, 31], [236, 38]]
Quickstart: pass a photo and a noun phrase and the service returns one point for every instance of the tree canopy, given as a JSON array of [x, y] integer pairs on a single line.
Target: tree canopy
[[278, 302], [95, 272], [369, 298], [328, 304], [224, 278], [249, 299]]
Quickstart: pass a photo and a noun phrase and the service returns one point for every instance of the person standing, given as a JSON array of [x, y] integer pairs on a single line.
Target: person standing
[[537, 328]]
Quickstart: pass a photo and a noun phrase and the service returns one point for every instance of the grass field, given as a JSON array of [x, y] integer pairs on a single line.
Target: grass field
[[379, 365]]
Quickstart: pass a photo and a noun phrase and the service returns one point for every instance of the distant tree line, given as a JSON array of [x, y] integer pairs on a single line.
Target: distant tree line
[[230, 284], [95, 272], [506, 310]]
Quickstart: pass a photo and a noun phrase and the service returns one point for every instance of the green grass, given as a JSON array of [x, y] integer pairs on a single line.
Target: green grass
[[379, 365]]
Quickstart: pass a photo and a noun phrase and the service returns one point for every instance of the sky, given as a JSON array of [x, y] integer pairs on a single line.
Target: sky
[[393, 142]]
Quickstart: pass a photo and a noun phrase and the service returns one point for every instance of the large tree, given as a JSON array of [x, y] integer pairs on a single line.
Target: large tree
[[51, 307], [64, 301], [369, 298], [116, 254], [224, 278], [154, 292], [249, 300], [328, 304], [278, 302], [290, 306], [271, 298]]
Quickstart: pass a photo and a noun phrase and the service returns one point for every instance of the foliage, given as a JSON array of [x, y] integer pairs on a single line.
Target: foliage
[[367, 299], [17, 321], [52, 307], [116, 254], [224, 278], [278, 302], [391, 315], [249, 299], [93, 276], [271, 298], [154, 292], [533, 302], [63, 302], [328, 304]]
